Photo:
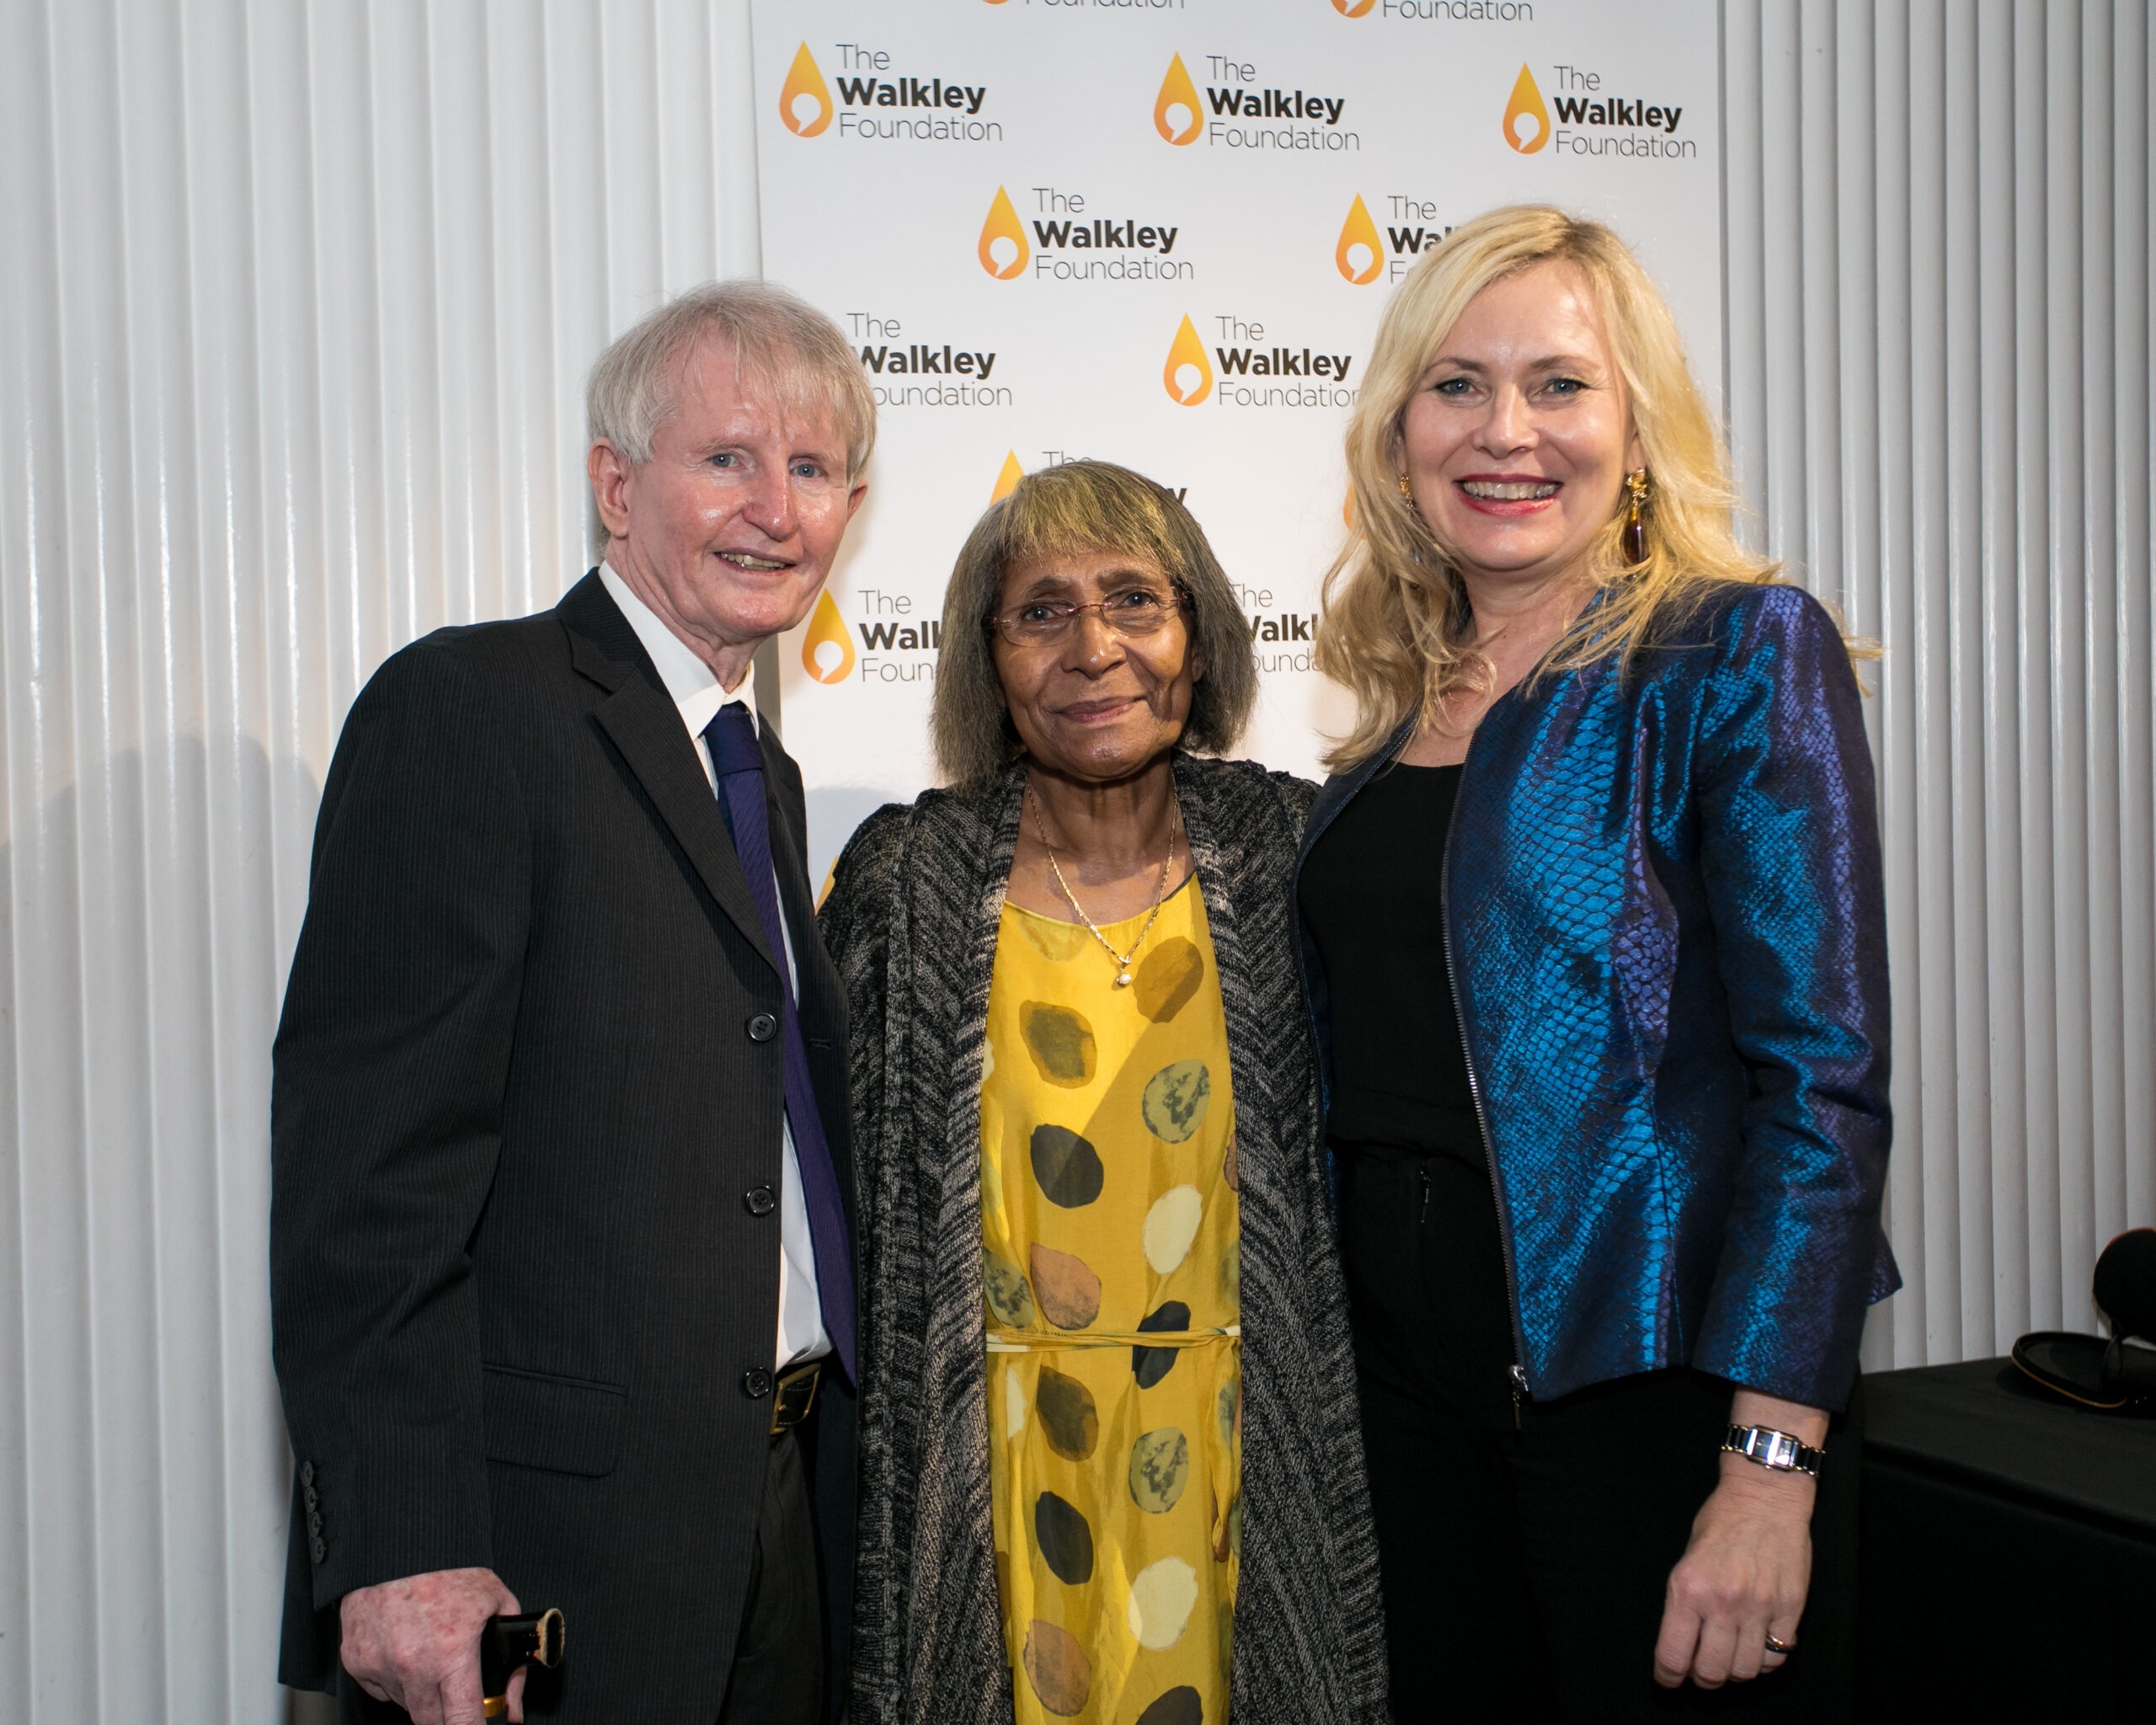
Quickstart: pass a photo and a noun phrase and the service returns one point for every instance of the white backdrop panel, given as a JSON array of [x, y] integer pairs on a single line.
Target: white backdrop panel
[[1165, 236]]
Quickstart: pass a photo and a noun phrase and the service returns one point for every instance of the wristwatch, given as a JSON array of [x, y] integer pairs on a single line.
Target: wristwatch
[[1769, 1448]]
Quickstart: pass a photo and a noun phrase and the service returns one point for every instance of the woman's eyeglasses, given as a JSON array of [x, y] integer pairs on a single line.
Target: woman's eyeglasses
[[1133, 614]]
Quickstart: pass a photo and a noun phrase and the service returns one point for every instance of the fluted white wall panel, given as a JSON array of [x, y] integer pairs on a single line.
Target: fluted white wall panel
[[294, 312], [1939, 384], [295, 309]]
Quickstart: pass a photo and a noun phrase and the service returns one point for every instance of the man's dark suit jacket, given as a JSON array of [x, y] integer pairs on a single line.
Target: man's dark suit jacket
[[524, 1277]]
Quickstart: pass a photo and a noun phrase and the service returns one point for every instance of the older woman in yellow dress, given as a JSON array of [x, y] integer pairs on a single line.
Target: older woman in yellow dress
[[1104, 1332]]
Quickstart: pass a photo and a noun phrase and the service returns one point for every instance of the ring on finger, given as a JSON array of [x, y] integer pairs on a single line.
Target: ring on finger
[[1774, 1645]]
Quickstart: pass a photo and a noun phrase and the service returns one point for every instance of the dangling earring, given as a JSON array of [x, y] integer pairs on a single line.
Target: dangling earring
[[1636, 531], [1407, 490]]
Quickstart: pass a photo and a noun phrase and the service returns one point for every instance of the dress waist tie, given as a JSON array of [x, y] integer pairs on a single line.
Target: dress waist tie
[[1215, 1442]]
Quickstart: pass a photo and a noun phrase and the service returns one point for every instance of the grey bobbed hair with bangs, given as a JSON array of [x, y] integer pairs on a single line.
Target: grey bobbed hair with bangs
[[782, 346], [1084, 506]]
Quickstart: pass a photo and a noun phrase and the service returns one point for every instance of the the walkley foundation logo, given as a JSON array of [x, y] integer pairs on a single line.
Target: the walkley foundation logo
[[1176, 116], [1623, 125], [1354, 8], [827, 649], [962, 374], [804, 101], [1121, 247], [1189, 376], [1235, 94], [1527, 121], [1002, 248], [1007, 482], [875, 107], [887, 627], [1357, 253]]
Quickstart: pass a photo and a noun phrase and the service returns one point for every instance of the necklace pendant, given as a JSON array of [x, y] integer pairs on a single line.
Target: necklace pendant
[[1122, 978]]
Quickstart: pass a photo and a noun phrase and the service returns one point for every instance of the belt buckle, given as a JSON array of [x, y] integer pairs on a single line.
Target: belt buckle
[[796, 1394]]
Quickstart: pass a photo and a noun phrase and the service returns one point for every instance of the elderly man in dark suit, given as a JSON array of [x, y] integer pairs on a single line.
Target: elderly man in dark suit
[[562, 1240]]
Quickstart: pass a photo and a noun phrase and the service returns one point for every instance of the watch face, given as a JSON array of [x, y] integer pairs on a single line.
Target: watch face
[[1772, 1448]]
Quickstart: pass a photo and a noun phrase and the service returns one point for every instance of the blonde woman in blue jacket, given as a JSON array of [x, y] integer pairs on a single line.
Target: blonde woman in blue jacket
[[1593, 934]]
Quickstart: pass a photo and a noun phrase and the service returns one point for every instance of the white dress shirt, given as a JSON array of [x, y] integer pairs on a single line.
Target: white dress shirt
[[697, 696]]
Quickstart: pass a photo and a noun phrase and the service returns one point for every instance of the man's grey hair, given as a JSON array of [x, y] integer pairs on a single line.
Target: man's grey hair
[[781, 344], [1083, 505]]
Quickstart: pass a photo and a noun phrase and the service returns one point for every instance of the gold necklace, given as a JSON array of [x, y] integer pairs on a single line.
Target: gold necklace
[[1160, 893]]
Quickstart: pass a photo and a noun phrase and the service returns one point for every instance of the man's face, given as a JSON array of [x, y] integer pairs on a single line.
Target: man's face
[[728, 532]]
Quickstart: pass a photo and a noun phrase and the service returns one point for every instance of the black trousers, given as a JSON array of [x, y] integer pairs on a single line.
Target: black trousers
[[778, 1661], [1524, 1565]]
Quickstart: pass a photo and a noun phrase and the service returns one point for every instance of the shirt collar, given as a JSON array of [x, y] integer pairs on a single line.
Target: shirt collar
[[690, 681]]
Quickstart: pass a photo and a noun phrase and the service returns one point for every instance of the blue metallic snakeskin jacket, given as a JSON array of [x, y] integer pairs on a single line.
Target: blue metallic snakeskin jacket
[[1663, 902]]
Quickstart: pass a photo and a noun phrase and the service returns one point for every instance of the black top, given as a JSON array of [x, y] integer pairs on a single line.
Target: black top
[[1371, 894]]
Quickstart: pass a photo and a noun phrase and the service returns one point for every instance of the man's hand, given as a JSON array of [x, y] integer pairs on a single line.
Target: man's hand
[[1745, 1572], [416, 1642]]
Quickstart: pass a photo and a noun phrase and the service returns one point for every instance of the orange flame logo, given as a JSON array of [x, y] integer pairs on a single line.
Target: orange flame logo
[[827, 649], [1007, 482], [805, 90], [1188, 375], [1527, 121], [1358, 253], [1003, 249], [1176, 91], [1350, 8]]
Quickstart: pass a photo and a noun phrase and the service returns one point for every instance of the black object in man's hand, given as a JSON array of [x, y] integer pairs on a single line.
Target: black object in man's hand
[[507, 1643]]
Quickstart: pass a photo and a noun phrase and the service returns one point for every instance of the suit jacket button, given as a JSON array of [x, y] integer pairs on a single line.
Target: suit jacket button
[[759, 1200], [762, 1028], [313, 1498], [755, 1383], [319, 1551], [306, 1473], [314, 1523]]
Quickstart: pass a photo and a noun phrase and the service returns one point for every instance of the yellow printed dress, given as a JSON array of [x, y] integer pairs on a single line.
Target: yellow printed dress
[[1108, 1217]]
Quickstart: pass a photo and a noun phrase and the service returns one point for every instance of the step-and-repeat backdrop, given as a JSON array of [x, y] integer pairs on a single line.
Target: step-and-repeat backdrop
[[1159, 232]]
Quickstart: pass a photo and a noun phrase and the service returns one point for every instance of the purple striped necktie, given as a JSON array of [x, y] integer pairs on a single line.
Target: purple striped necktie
[[738, 760]]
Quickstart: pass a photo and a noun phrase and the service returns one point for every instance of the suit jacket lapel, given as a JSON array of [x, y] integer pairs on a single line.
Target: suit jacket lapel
[[646, 726]]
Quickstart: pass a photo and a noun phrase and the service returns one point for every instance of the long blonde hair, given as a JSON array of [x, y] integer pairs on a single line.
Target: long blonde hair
[[1396, 630]]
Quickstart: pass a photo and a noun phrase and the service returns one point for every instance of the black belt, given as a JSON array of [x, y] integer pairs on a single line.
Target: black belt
[[796, 1394]]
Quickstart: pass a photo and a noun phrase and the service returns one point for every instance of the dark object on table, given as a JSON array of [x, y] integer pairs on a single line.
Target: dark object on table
[[507, 1643], [2126, 1284], [2106, 1375], [2009, 1551]]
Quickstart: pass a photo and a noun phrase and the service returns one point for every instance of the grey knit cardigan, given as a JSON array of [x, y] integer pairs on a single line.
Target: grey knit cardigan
[[912, 920]]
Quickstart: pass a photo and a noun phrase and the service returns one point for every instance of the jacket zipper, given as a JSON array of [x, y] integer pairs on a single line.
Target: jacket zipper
[[1518, 1376]]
